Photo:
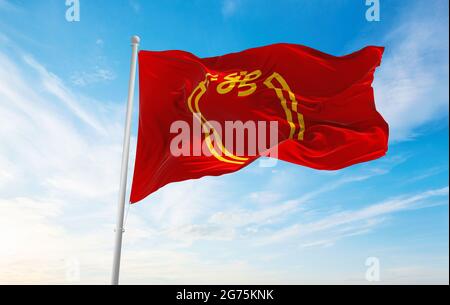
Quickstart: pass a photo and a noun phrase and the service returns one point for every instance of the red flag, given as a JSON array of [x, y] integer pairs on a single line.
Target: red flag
[[322, 108]]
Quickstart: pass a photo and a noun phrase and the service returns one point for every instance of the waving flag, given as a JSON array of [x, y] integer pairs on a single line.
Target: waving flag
[[319, 109]]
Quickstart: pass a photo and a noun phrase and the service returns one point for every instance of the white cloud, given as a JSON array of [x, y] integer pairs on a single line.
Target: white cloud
[[175, 267], [7, 171], [59, 163], [98, 75], [355, 221], [189, 219], [411, 86], [265, 197], [241, 218], [56, 87], [415, 274]]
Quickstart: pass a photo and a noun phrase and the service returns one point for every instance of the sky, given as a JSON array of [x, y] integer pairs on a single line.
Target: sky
[[63, 88]]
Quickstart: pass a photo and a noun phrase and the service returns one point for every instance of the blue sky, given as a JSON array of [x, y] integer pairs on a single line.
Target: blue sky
[[63, 88]]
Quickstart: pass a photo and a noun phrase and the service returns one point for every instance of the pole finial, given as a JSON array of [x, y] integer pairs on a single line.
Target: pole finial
[[135, 39]]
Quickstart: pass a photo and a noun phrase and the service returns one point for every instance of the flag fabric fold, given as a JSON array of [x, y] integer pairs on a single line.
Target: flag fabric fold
[[323, 107]]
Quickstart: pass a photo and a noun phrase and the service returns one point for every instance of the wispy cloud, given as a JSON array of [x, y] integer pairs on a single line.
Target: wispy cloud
[[412, 84], [357, 220], [55, 86], [57, 158], [98, 75], [197, 220], [99, 71]]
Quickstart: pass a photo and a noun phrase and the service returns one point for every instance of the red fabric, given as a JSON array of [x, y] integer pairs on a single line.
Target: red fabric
[[334, 96]]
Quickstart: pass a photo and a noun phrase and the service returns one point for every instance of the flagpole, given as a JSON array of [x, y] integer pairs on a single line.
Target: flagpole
[[135, 40]]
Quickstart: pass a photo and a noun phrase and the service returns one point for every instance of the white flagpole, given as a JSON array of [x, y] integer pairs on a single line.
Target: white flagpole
[[135, 40]]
